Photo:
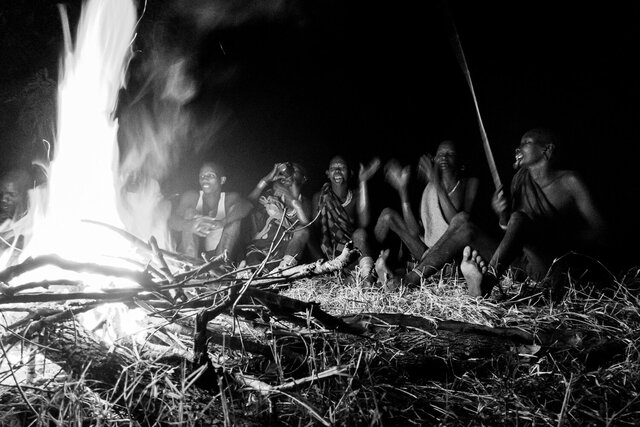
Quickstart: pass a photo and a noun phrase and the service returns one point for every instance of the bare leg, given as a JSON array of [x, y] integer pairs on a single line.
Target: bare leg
[[383, 272], [511, 244], [391, 220], [298, 241], [229, 239], [482, 278], [460, 233], [189, 244], [361, 241], [365, 262], [294, 248]]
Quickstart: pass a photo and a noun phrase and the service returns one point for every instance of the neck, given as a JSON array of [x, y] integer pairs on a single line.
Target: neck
[[541, 171], [211, 194], [341, 190], [449, 177]]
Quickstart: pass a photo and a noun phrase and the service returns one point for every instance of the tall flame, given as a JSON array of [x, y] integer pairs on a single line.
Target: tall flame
[[83, 178]]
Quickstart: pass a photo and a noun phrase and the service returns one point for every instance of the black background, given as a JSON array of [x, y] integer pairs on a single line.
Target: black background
[[303, 81]]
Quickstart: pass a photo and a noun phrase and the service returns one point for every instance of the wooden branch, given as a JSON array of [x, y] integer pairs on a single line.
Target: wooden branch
[[145, 247], [29, 264], [371, 321], [115, 295]]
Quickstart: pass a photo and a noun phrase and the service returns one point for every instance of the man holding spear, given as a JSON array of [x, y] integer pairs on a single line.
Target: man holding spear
[[551, 213]]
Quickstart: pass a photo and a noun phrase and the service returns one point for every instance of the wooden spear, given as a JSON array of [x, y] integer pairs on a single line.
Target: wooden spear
[[454, 39]]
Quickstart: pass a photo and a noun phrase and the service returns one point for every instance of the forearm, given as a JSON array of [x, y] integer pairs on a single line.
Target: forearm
[[448, 209], [177, 223], [407, 213], [237, 212], [258, 189], [364, 216], [303, 218]]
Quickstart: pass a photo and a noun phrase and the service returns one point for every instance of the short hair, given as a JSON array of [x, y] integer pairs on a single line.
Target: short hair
[[216, 166], [20, 177], [542, 136], [303, 170]]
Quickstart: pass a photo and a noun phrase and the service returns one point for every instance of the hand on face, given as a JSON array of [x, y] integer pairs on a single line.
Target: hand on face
[[283, 192], [277, 173], [367, 172]]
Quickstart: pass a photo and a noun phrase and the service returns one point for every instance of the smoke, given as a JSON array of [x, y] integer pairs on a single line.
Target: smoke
[[208, 15]]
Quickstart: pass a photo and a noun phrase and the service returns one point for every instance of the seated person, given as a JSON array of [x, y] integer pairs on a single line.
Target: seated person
[[551, 213], [279, 218], [209, 220], [448, 191], [344, 213], [15, 224]]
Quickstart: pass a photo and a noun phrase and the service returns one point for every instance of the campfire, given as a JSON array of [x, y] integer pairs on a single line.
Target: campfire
[[147, 336]]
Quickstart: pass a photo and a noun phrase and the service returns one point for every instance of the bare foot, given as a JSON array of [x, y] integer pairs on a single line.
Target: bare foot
[[383, 272], [473, 269]]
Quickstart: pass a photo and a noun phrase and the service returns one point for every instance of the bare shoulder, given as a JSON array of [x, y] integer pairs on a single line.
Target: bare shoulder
[[472, 182], [570, 179], [316, 199], [233, 197], [189, 197]]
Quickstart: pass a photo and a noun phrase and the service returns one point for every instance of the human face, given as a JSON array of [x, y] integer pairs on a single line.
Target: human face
[[529, 152], [12, 197], [338, 171], [297, 178], [210, 181], [446, 157]]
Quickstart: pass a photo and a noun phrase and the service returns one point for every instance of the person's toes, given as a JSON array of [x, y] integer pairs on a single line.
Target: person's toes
[[466, 254]]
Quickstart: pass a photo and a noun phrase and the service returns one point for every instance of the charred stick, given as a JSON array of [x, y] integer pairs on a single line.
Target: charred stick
[[29, 264]]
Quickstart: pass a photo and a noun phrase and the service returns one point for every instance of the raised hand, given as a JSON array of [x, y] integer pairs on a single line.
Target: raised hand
[[396, 175], [427, 169], [367, 172], [275, 174]]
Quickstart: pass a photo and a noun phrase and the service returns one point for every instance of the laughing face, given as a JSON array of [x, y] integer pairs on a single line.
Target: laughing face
[[338, 171], [446, 157], [528, 152], [210, 179]]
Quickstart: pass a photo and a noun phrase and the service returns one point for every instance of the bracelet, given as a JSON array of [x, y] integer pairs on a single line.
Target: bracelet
[[262, 183]]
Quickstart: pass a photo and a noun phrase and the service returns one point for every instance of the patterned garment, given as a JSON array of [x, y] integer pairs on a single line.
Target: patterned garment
[[337, 227], [270, 226]]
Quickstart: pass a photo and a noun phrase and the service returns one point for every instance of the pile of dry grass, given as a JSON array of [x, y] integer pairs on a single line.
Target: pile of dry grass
[[594, 381]]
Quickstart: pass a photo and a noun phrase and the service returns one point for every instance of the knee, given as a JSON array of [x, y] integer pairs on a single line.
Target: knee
[[461, 224], [461, 219], [387, 215], [232, 229], [301, 235], [517, 218], [359, 237]]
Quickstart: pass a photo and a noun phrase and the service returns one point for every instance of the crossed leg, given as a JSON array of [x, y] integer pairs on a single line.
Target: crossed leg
[[390, 220]]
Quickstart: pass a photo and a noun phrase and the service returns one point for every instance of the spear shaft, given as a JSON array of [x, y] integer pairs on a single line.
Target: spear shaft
[[454, 39]]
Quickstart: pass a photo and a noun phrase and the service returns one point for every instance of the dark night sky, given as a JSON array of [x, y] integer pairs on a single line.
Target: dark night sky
[[305, 80]]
